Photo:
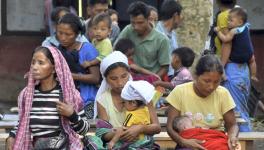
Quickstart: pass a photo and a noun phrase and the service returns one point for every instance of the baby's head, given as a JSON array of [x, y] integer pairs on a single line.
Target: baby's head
[[182, 123], [237, 17], [126, 46], [182, 57], [136, 94], [131, 105], [101, 24]]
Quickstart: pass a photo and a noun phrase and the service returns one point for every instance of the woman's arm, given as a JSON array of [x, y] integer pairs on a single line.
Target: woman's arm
[[132, 132], [186, 143], [232, 128], [92, 78], [103, 115]]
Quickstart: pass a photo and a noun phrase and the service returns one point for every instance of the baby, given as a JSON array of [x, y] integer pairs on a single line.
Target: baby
[[101, 26], [136, 94], [213, 139]]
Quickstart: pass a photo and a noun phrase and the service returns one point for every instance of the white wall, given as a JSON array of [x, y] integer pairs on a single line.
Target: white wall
[[25, 15], [255, 12]]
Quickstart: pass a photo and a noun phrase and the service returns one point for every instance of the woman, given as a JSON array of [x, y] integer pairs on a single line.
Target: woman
[[207, 103], [75, 53], [48, 105], [237, 75], [115, 71]]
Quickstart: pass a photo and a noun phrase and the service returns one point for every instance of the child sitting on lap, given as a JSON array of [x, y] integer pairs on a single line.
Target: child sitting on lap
[[136, 94]]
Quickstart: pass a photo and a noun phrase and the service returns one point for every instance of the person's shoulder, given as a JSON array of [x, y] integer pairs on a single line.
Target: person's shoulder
[[105, 95], [223, 13], [107, 41], [221, 90], [185, 71], [128, 28], [184, 87], [159, 37], [87, 45]]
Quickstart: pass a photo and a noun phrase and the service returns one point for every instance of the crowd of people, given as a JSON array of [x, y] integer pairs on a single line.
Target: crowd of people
[[90, 69]]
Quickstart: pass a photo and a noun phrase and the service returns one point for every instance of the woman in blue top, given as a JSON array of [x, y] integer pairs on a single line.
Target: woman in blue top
[[75, 53]]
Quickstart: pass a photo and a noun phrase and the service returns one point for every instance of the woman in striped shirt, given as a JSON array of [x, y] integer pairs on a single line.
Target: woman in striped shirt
[[49, 104]]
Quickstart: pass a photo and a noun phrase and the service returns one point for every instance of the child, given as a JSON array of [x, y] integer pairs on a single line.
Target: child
[[126, 46], [114, 16], [182, 58], [242, 49], [101, 24], [213, 139], [136, 94]]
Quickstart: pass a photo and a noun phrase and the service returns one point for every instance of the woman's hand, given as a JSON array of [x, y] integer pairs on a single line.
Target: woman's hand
[[193, 144], [64, 109], [131, 133], [233, 143], [10, 141]]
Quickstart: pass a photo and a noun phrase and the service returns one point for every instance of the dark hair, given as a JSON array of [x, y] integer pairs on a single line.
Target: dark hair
[[227, 3], [55, 13], [176, 122], [152, 8], [94, 2], [123, 45], [74, 21], [102, 17], [46, 52], [186, 56], [111, 12], [208, 63], [139, 103], [115, 65], [138, 8], [169, 8], [240, 12]]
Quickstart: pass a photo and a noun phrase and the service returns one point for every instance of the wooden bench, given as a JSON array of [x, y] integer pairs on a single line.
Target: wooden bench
[[246, 139]]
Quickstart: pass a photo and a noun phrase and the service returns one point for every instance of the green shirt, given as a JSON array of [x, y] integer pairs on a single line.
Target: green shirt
[[152, 52], [104, 48]]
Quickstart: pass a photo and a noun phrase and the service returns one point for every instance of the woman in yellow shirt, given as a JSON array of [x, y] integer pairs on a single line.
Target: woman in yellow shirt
[[205, 102]]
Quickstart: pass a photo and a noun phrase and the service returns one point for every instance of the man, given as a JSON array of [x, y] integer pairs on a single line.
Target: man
[[151, 46], [96, 7], [170, 18]]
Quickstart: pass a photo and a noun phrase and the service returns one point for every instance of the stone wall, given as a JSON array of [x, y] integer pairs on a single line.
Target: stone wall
[[197, 15]]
